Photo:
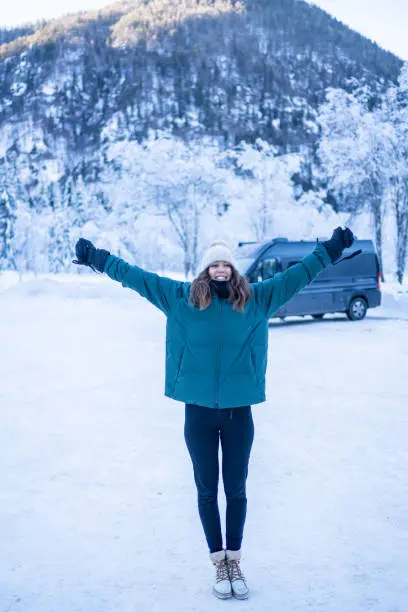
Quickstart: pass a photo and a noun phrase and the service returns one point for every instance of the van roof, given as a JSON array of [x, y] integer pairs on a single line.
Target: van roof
[[294, 248]]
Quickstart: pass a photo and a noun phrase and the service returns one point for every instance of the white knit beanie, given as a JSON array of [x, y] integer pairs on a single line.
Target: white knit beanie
[[217, 251]]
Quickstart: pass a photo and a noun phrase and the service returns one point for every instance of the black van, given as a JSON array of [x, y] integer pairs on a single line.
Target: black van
[[351, 286]]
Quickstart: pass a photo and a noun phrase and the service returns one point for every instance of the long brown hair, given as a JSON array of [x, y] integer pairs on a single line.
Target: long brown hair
[[238, 288]]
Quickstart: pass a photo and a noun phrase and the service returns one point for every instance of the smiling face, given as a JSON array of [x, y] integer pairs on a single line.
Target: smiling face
[[220, 270]]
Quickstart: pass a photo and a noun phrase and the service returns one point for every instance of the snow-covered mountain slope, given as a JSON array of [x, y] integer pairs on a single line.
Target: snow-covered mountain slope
[[232, 70]]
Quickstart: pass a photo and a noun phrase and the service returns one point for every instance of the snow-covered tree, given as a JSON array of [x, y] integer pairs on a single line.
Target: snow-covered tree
[[395, 110], [60, 221], [22, 243], [120, 197], [267, 188], [401, 219], [7, 219], [186, 185], [357, 149]]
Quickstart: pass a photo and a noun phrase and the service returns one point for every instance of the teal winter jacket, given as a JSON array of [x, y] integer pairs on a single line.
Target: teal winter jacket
[[217, 357]]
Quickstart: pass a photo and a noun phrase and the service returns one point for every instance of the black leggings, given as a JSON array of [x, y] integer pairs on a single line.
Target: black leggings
[[203, 429]]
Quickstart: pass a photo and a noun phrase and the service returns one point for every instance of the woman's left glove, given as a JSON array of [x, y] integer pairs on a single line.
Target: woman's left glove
[[88, 255], [342, 238]]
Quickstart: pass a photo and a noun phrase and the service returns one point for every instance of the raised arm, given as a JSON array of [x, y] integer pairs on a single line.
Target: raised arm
[[159, 290], [272, 294]]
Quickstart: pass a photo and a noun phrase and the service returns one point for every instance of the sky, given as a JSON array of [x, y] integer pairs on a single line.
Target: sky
[[384, 21]]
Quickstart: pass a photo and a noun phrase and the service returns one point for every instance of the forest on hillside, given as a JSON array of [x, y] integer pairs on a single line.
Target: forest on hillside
[[233, 70], [251, 118]]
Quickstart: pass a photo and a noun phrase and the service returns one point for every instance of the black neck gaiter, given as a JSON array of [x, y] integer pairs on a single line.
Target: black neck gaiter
[[220, 288]]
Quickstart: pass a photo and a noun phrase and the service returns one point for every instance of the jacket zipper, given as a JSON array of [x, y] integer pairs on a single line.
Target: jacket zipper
[[217, 376]]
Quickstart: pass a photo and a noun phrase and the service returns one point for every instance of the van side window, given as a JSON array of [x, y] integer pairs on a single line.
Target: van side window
[[269, 268], [362, 265]]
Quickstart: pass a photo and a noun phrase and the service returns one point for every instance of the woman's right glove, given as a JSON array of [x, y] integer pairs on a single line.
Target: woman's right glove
[[88, 255], [341, 239]]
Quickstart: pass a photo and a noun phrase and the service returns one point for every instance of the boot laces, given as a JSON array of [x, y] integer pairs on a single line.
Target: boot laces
[[235, 572], [222, 571]]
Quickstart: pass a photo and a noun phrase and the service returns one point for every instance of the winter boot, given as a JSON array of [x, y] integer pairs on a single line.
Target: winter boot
[[237, 578], [222, 586]]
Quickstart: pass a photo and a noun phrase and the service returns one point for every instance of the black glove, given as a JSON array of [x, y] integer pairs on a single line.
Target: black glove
[[88, 255], [341, 239]]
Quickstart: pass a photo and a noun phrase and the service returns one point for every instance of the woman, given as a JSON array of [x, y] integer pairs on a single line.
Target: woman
[[216, 356]]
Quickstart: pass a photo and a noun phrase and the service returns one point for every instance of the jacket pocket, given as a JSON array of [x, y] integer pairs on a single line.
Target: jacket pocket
[[258, 364], [252, 359], [180, 364]]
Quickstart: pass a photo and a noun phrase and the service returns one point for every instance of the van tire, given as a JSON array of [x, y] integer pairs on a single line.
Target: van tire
[[357, 309], [318, 316]]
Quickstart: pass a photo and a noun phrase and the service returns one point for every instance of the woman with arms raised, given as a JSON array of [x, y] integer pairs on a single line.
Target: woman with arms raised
[[216, 357]]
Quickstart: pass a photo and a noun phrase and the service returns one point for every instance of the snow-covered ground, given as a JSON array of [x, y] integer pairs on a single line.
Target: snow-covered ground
[[97, 501]]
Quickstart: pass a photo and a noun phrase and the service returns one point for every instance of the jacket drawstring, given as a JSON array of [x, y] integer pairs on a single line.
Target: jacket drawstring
[[231, 409]]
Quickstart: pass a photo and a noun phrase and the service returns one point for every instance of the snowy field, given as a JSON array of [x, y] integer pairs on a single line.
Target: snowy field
[[97, 501]]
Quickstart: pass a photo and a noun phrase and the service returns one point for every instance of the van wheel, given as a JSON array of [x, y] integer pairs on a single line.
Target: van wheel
[[318, 316], [357, 309]]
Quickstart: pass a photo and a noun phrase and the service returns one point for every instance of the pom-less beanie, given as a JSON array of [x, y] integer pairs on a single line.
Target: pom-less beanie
[[217, 251]]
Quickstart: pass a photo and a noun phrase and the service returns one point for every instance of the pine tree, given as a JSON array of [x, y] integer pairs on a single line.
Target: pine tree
[[7, 221]]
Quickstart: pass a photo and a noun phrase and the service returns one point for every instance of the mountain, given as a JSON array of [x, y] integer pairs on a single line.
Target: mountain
[[221, 68]]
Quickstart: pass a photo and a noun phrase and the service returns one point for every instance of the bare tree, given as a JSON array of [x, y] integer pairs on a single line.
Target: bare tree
[[269, 179], [186, 184]]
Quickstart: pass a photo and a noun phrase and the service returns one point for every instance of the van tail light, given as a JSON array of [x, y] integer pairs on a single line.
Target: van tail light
[[379, 281]]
